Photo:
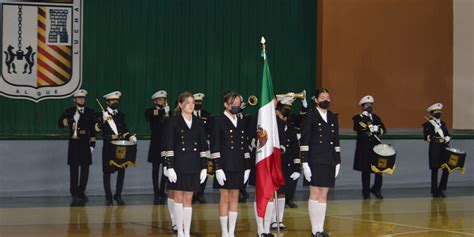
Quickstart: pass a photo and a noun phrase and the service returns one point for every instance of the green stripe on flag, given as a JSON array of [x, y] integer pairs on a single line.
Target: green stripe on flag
[[266, 95]]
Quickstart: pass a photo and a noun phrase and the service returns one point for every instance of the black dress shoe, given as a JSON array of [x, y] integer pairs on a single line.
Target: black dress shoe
[[378, 195], [291, 204], [201, 199], [242, 198], [109, 202], [119, 200], [269, 235], [174, 229], [76, 202], [157, 200], [83, 198], [442, 194], [366, 196], [324, 234]]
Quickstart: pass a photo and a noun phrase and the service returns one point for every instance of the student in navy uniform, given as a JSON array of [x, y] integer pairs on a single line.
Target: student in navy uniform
[[230, 152], [290, 158], [367, 125], [206, 117], [156, 117], [117, 131], [320, 156], [251, 121], [186, 151], [436, 133], [80, 121]]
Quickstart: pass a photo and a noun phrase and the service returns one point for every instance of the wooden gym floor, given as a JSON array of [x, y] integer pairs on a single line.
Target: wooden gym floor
[[400, 216]]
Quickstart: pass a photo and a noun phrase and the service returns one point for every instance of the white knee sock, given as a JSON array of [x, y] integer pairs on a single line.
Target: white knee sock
[[267, 221], [171, 210], [178, 214], [313, 215], [321, 215], [187, 214], [259, 220], [223, 220], [281, 209], [232, 222]]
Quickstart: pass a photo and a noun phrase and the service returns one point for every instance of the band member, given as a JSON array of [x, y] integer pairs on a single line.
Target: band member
[[294, 120], [436, 133], [369, 128], [251, 122], [186, 151], [291, 162], [320, 156], [206, 117], [230, 152], [156, 117], [80, 121], [113, 127]]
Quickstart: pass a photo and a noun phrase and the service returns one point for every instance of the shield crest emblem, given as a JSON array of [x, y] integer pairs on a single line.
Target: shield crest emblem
[[41, 49]]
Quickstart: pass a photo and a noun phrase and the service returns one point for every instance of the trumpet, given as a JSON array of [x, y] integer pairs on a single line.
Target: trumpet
[[74, 126], [301, 95], [252, 100]]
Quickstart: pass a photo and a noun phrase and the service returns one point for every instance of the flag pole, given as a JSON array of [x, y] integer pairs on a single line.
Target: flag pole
[[275, 198], [275, 201]]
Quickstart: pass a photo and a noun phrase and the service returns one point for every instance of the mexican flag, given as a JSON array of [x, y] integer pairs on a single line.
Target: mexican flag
[[269, 176]]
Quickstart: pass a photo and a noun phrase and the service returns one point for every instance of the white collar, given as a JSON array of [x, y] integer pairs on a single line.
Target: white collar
[[197, 113], [112, 111], [323, 114], [233, 119], [80, 108], [188, 122]]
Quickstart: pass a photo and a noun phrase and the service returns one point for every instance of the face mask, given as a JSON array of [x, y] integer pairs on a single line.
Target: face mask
[[285, 112], [324, 104], [197, 107], [114, 105], [437, 115], [234, 109], [369, 109]]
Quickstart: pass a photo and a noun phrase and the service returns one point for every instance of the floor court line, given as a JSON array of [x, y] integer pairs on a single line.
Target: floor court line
[[390, 223]]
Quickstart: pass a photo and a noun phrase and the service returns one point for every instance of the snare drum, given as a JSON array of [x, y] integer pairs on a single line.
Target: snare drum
[[384, 159], [124, 153], [453, 159]]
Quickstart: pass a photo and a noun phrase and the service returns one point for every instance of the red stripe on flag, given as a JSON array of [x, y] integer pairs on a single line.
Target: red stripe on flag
[[269, 178]]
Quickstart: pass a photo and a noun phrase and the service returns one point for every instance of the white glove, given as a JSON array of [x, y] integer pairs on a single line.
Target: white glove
[[76, 117], [105, 115], [295, 175], [365, 113], [92, 149], [283, 149], [246, 175], [376, 128], [133, 139], [220, 176], [167, 109], [306, 171], [165, 171], [203, 175], [338, 167], [243, 105], [172, 175], [447, 139], [304, 101], [253, 143]]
